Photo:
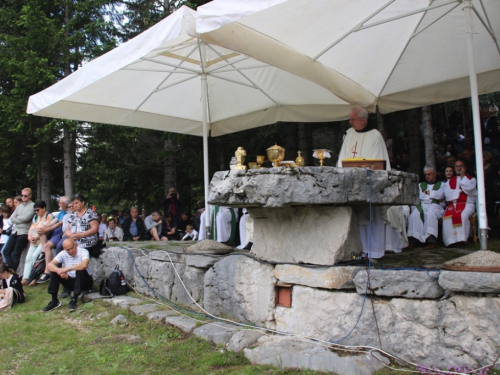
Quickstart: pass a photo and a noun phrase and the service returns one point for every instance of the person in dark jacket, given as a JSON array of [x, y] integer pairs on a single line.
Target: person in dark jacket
[[11, 280], [133, 226]]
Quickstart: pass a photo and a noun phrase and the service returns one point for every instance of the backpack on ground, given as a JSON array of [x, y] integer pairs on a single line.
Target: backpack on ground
[[114, 284]]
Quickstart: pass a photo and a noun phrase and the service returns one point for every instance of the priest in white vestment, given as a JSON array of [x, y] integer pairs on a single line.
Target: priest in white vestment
[[364, 141], [460, 193], [423, 220]]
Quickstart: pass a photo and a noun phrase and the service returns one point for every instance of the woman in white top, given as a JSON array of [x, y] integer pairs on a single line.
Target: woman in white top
[[6, 226]]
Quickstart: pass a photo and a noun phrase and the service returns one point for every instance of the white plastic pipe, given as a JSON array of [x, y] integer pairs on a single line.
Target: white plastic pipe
[[204, 116], [481, 209]]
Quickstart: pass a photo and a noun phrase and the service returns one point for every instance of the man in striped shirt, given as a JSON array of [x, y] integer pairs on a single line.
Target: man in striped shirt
[[75, 274]]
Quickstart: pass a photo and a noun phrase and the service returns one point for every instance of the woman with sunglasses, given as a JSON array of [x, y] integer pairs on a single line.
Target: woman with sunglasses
[[42, 218]]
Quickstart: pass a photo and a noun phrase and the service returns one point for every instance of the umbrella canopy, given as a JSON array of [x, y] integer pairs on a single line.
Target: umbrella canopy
[[406, 53], [168, 79], [154, 81]]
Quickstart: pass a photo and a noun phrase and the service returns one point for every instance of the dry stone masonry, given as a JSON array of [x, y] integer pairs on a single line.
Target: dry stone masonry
[[413, 322]]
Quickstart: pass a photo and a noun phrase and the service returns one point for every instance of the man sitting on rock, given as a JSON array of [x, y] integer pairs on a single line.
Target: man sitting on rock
[[460, 193], [423, 220], [75, 274], [153, 224]]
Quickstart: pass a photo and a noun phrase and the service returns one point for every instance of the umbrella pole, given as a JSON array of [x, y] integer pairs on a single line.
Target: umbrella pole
[[469, 34], [204, 100]]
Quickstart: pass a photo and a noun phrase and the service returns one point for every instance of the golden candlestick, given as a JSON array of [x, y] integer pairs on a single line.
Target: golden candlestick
[[300, 160]]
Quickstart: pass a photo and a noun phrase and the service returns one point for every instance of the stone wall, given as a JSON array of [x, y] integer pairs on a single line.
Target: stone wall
[[409, 317]]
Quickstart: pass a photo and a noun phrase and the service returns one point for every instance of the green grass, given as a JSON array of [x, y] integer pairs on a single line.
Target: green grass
[[85, 342]]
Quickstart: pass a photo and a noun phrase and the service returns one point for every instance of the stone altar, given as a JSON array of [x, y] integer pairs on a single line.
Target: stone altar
[[309, 214]]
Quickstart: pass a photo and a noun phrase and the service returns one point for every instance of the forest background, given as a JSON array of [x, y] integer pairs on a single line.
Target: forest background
[[116, 167]]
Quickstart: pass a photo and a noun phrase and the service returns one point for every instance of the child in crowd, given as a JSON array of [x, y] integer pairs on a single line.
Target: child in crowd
[[12, 290], [191, 234]]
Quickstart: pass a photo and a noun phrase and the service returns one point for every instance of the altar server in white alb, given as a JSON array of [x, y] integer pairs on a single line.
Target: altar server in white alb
[[364, 141], [460, 193], [423, 220]]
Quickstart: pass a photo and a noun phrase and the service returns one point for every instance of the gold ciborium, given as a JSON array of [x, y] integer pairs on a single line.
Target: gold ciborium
[[300, 160], [260, 160], [275, 154]]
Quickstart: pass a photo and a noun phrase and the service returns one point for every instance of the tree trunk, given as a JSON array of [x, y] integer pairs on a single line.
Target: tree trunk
[[45, 177], [38, 181], [414, 136], [69, 161], [306, 143], [69, 136], [430, 155], [170, 176]]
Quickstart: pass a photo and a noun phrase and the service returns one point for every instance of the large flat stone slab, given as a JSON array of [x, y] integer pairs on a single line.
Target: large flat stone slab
[[328, 278], [284, 187], [400, 283], [184, 323], [292, 353], [123, 301], [144, 309], [473, 282], [218, 332], [323, 235], [162, 314]]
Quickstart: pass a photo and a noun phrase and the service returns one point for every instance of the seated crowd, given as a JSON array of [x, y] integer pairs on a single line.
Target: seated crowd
[[69, 237]]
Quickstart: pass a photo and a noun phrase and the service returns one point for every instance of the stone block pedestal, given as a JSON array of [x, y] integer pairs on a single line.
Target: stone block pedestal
[[323, 235]]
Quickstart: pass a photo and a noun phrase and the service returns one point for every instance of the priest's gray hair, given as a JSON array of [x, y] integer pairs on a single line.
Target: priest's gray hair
[[361, 111], [429, 168]]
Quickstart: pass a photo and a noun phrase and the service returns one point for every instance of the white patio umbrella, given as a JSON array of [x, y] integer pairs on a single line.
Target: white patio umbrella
[[166, 79], [406, 53]]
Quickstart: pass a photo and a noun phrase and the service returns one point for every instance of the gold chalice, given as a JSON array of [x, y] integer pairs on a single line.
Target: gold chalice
[[260, 160], [321, 154], [275, 154]]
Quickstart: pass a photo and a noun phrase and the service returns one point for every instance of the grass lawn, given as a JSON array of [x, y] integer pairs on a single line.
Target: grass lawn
[[85, 342]]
